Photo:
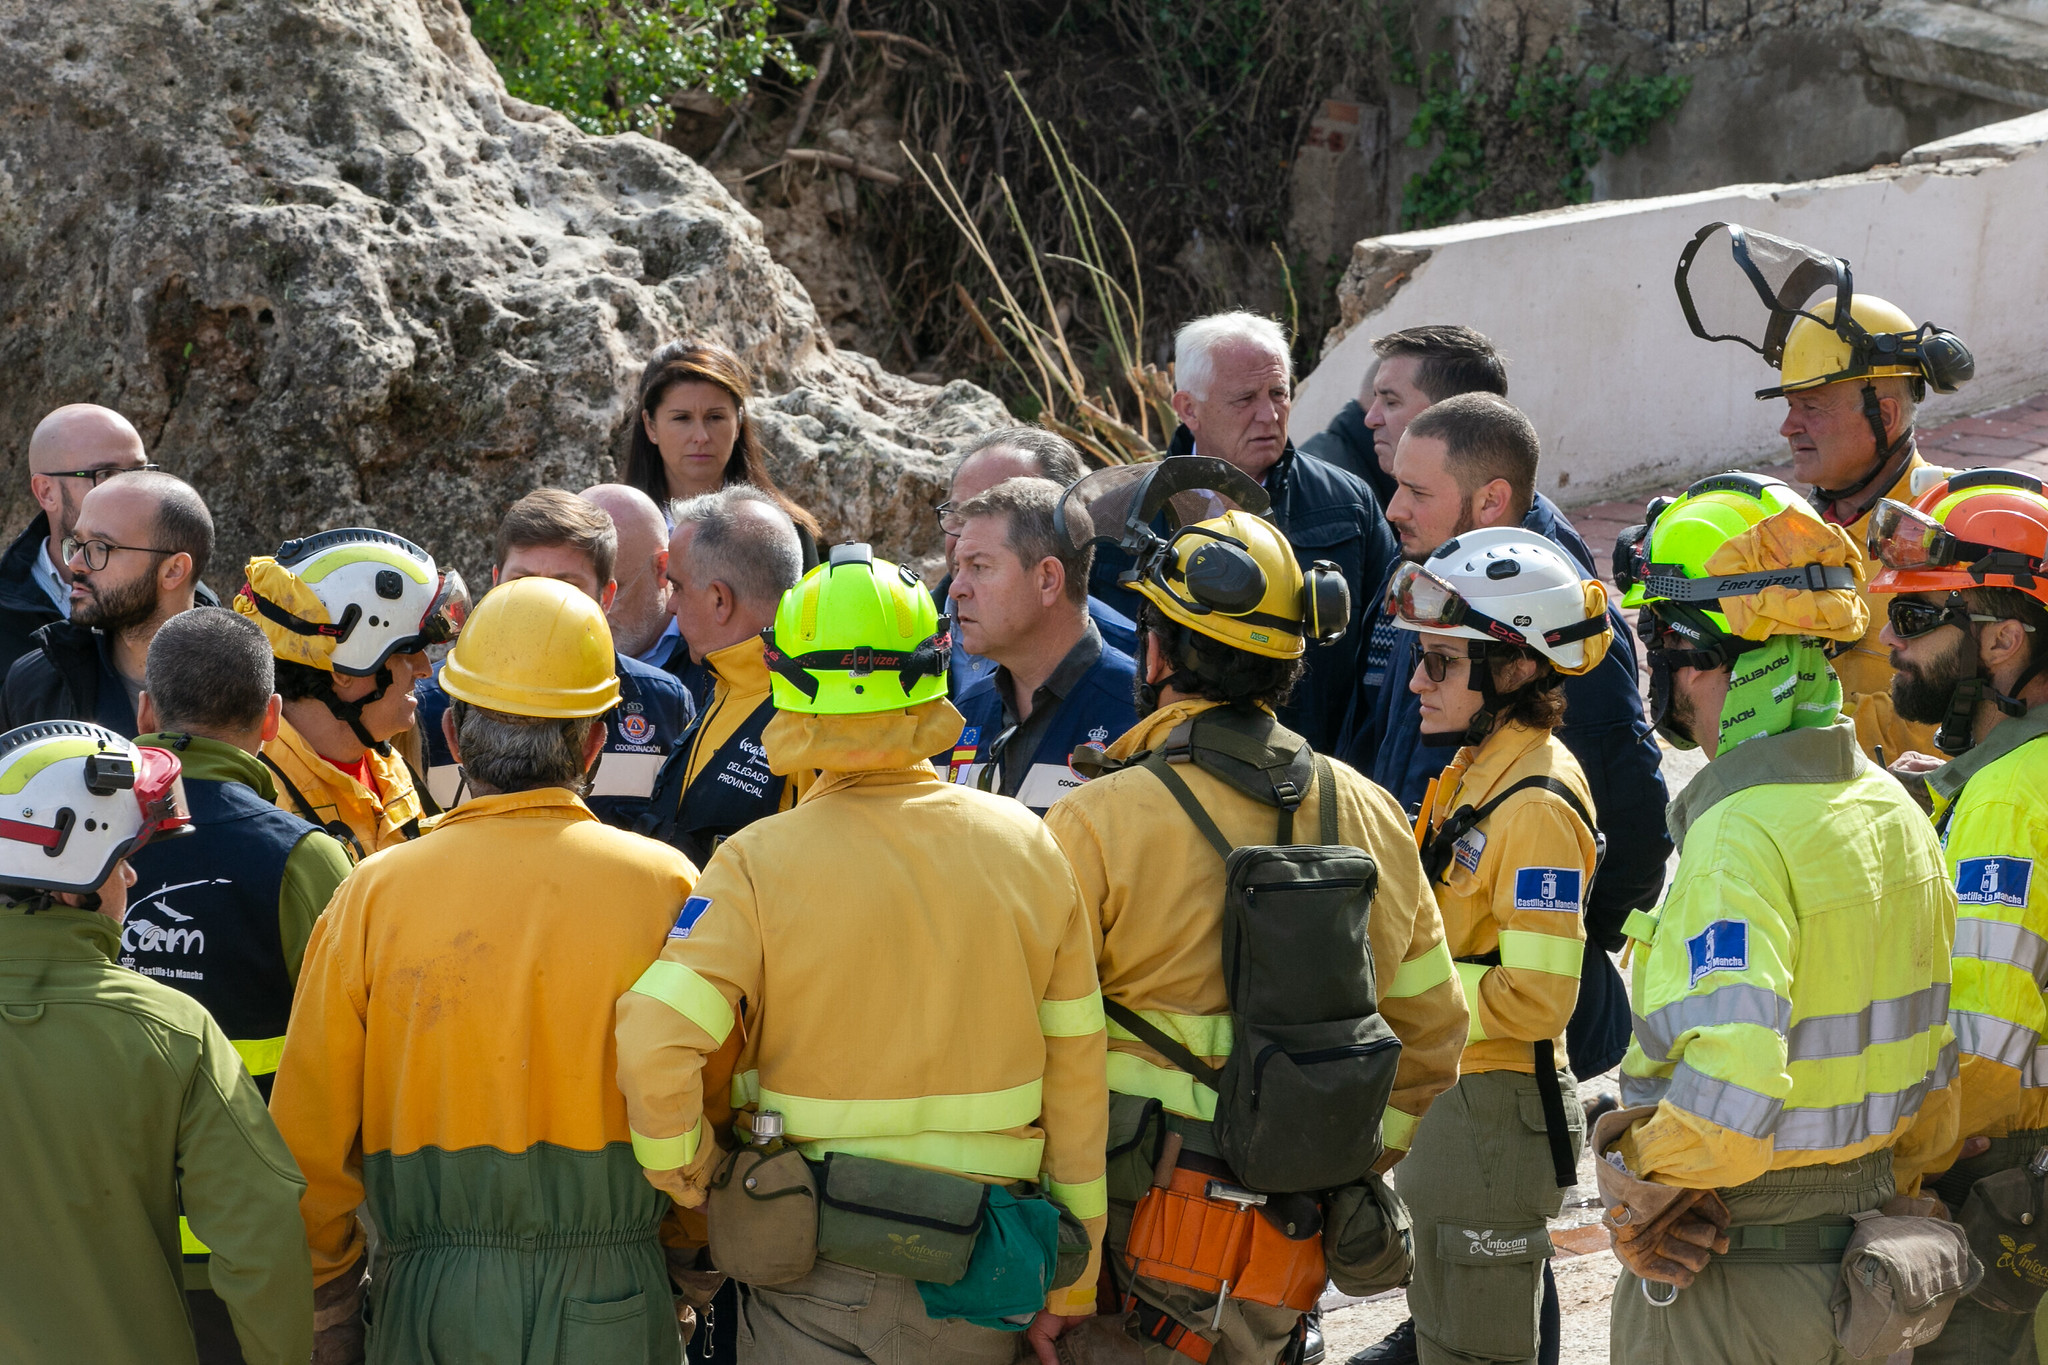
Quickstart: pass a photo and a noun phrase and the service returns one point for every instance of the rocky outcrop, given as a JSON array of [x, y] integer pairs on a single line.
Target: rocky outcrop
[[335, 274]]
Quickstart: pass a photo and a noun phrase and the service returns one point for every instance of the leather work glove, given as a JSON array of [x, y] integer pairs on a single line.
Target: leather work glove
[[1661, 1232], [687, 1184], [338, 1319]]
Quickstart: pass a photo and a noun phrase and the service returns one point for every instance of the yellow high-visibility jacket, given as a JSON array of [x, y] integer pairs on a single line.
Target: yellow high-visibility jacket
[[1992, 806], [1154, 889], [916, 972], [1866, 667], [1517, 884], [384, 814], [1792, 1003]]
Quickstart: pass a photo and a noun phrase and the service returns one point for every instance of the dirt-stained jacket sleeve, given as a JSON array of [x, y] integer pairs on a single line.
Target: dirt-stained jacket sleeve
[[1076, 1117]]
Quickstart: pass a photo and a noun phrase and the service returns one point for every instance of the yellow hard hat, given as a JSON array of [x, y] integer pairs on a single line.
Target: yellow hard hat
[[1234, 578], [1816, 354], [535, 647]]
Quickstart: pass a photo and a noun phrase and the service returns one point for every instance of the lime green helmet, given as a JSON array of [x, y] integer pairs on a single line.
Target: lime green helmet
[[857, 635]]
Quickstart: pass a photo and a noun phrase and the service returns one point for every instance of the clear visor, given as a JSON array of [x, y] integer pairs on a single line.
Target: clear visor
[[1901, 537], [1738, 284], [160, 794], [1122, 500], [1420, 598], [443, 620]]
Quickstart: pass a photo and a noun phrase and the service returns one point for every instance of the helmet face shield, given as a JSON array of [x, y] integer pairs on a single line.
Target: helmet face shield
[[1122, 500], [439, 625], [1752, 288], [160, 795]]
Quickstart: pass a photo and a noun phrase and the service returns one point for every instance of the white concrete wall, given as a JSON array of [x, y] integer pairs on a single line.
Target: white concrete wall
[[1581, 302]]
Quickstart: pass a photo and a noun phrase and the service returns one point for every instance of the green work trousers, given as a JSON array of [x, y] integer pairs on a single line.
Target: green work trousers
[[1974, 1334], [838, 1314], [1755, 1313], [1482, 1189]]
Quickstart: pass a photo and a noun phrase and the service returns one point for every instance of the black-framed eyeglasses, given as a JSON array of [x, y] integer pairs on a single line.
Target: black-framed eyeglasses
[[1911, 618], [950, 520], [96, 553], [102, 474], [1438, 666]]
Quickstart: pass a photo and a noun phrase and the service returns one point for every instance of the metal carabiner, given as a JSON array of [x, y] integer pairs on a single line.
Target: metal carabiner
[[1652, 1299]]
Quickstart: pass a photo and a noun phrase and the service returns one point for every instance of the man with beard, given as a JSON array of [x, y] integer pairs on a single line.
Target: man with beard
[[73, 451], [1792, 1041], [135, 557], [1968, 637]]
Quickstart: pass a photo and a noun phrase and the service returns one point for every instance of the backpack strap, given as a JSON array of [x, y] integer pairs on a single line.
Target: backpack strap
[[1156, 763], [1326, 783], [1162, 1043], [1436, 854], [336, 828]]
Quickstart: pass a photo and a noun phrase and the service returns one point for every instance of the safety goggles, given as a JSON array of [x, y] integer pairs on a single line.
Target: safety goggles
[[442, 622], [1903, 537], [1422, 599], [1911, 618]]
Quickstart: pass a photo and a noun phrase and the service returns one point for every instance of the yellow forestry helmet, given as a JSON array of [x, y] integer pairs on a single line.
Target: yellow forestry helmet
[[1234, 578], [858, 635], [535, 647], [1816, 354]]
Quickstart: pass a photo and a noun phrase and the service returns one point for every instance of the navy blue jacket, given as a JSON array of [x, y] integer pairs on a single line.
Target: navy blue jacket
[[24, 607], [1325, 513], [1097, 709], [1118, 632], [1347, 444], [653, 712], [1604, 727]]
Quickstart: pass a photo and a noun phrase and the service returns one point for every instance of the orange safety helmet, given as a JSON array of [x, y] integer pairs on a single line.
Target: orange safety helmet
[[1985, 528]]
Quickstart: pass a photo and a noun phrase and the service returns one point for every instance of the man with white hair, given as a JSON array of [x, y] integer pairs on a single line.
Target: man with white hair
[[642, 625], [72, 451], [1235, 385]]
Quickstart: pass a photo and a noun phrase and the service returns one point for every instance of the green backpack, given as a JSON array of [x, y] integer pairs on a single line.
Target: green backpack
[[1300, 1098]]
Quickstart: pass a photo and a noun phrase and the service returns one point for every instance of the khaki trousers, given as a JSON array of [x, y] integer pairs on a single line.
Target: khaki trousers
[[841, 1314], [1481, 1188], [1755, 1313]]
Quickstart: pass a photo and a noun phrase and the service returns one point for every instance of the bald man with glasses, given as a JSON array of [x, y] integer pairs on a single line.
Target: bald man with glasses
[[73, 450]]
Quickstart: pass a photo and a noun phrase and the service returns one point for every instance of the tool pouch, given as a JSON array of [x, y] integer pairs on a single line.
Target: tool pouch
[[1902, 1274], [1367, 1238], [2002, 1217], [898, 1220], [1181, 1236], [763, 1216]]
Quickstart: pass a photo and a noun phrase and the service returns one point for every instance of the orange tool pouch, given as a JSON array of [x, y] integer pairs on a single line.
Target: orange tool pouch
[[1181, 1236]]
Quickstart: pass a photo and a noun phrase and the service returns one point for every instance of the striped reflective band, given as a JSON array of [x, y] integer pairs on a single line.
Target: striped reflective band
[[1723, 1102], [1179, 1092], [1205, 1035], [1397, 1129], [1071, 1018], [1994, 1039], [1011, 1158], [1660, 1034], [1880, 1021], [689, 995], [746, 1088], [1089, 1199], [1469, 976], [1641, 926], [2035, 1074], [1845, 1125], [260, 1055], [1521, 950], [1637, 1090], [1419, 975], [1990, 940], [188, 1243], [991, 1112], [669, 1153]]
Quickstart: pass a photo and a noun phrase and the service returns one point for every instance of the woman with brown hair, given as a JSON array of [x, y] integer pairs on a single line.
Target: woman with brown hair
[[693, 435]]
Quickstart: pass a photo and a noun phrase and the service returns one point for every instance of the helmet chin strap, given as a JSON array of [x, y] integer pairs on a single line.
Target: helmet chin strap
[[1958, 732], [350, 713], [1491, 700], [1887, 451]]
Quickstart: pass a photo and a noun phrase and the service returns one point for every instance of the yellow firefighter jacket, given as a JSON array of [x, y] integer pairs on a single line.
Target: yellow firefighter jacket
[[1153, 888], [387, 813], [1516, 887], [449, 1064], [918, 980]]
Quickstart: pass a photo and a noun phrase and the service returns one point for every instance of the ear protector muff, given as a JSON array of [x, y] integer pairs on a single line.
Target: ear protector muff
[[1325, 602], [1222, 576]]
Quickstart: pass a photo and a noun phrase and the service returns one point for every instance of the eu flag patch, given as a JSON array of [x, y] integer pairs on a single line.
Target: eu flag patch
[[1994, 881], [686, 919], [1548, 888], [1722, 946]]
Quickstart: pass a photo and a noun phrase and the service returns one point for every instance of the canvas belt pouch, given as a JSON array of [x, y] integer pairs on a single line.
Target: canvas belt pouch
[[1367, 1238], [2002, 1217], [763, 1215], [1903, 1272], [898, 1220]]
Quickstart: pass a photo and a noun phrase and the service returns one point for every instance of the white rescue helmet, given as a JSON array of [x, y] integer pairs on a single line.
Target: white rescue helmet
[[1509, 585], [346, 600], [76, 798]]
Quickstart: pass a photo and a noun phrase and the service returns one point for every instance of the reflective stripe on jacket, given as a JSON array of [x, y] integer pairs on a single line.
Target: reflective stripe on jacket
[[1792, 1008], [916, 972], [1516, 884], [1154, 890]]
